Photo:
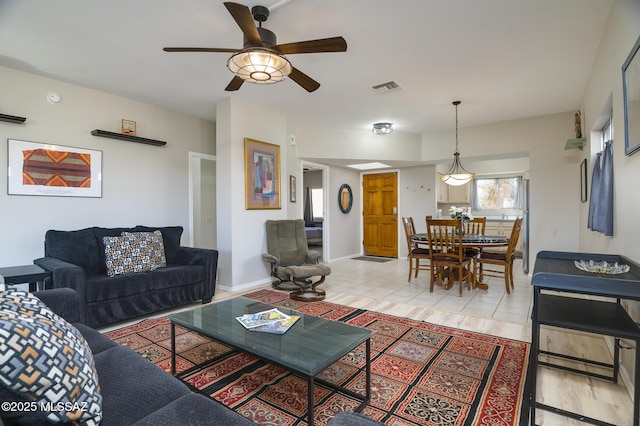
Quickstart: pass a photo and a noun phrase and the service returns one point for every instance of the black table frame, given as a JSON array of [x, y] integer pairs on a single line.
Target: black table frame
[[34, 275], [557, 272]]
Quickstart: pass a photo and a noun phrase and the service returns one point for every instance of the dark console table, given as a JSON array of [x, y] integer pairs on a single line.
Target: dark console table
[[32, 274], [556, 271]]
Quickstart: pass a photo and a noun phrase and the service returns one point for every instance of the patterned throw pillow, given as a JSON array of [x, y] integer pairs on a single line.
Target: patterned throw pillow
[[134, 252], [47, 362]]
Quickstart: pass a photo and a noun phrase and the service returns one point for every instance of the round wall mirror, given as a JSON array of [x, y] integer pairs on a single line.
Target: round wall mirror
[[345, 198]]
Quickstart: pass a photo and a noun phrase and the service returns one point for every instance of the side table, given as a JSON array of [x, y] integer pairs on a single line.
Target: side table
[[32, 274]]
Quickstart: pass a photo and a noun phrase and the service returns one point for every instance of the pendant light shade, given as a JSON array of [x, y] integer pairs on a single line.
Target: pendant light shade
[[457, 175]]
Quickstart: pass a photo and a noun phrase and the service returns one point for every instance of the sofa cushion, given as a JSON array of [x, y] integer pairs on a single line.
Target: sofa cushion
[[47, 361], [77, 247], [133, 387], [133, 252], [177, 276], [96, 340], [171, 236], [102, 287], [194, 410]]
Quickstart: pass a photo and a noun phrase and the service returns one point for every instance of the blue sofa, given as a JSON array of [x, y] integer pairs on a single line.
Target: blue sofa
[[77, 260]]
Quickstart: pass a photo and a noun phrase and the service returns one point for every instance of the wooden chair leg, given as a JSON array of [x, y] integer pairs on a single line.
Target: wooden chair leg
[[433, 277], [511, 274], [507, 274], [410, 268]]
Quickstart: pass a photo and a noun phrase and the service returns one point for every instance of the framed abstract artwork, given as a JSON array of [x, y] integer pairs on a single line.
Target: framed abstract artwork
[[631, 93], [261, 175], [53, 170]]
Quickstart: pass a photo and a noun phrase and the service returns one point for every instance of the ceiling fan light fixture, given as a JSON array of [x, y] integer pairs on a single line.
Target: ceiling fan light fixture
[[457, 175], [382, 128], [259, 65]]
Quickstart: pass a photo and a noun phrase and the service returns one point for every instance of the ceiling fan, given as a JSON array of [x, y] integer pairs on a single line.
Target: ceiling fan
[[261, 60]]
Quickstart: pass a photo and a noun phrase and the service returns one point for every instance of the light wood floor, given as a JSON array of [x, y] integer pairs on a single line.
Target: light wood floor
[[383, 287]]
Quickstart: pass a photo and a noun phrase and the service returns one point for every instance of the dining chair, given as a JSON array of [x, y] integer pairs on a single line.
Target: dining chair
[[447, 255], [504, 259], [475, 226], [415, 253]]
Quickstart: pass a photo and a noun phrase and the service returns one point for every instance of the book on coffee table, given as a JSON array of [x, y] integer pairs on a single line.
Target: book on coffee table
[[260, 319], [278, 327]]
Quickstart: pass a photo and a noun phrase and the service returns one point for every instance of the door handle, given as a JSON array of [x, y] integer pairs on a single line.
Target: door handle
[[395, 210]]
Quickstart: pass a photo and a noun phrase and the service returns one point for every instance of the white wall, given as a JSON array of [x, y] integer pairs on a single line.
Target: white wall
[[241, 232], [345, 230], [142, 184], [356, 144], [416, 198], [604, 88], [605, 83]]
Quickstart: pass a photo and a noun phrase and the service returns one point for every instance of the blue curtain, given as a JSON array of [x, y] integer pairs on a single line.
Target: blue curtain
[[601, 203], [520, 198], [475, 202], [308, 207]]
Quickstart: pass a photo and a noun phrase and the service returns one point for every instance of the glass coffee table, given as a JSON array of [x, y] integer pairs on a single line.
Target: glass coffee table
[[308, 347]]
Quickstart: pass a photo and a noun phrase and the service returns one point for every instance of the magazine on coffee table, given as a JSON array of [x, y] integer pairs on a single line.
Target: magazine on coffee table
[[278, 327], [263, 318]]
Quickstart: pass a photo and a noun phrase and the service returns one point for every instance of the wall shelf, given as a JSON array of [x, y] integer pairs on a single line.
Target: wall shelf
[[12, 118], [129, 138], [575, 143]]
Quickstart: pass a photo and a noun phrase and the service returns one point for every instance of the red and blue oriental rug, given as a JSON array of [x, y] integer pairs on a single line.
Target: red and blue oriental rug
[[422, 374]]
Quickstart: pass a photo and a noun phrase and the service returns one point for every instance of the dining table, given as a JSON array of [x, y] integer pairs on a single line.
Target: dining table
[[469, 241]]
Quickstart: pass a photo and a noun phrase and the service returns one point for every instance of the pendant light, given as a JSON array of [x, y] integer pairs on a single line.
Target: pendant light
[[457, 175]]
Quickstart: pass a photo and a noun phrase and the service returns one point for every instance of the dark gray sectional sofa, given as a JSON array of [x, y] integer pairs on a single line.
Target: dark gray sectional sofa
[[76, 260]]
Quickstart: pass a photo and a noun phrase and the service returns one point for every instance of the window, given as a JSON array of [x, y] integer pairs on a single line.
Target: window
[[497, 193], [317, 202], [606, 134]]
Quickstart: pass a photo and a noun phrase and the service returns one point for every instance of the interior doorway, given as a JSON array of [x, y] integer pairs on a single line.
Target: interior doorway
[[202, 201], [314, 206]]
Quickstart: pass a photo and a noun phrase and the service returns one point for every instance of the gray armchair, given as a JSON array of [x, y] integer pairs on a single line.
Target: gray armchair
[[292, 263]]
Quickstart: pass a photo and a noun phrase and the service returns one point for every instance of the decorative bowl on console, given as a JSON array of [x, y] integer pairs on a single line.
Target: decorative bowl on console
[[601, 267]]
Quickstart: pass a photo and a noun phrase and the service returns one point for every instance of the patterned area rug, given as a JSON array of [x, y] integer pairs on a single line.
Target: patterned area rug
[[422, 374]]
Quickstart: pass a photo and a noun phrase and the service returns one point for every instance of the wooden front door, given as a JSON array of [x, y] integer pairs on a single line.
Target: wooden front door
[[380, 214]]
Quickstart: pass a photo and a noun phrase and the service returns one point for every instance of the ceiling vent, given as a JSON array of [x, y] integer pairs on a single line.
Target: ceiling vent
[[390, 86]]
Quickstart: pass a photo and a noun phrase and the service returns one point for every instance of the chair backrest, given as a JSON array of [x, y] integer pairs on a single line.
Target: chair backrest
[[443, 235], [476, 225], [287, 240], [409, 230], [513, 238]]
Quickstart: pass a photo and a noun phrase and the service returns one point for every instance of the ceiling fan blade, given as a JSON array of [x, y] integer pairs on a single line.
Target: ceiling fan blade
[[307, 83], [199, 49], [333, 44], [234, 84], [244, 19]]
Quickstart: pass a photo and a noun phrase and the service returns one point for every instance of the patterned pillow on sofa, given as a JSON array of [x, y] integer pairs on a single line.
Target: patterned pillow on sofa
[[134, 252], [47, 367]]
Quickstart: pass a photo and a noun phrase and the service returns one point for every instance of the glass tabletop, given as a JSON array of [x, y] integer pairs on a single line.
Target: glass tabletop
[[308, 347]]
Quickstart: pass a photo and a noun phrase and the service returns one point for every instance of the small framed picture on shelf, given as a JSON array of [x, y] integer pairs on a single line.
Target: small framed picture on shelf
[[128, 127]]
